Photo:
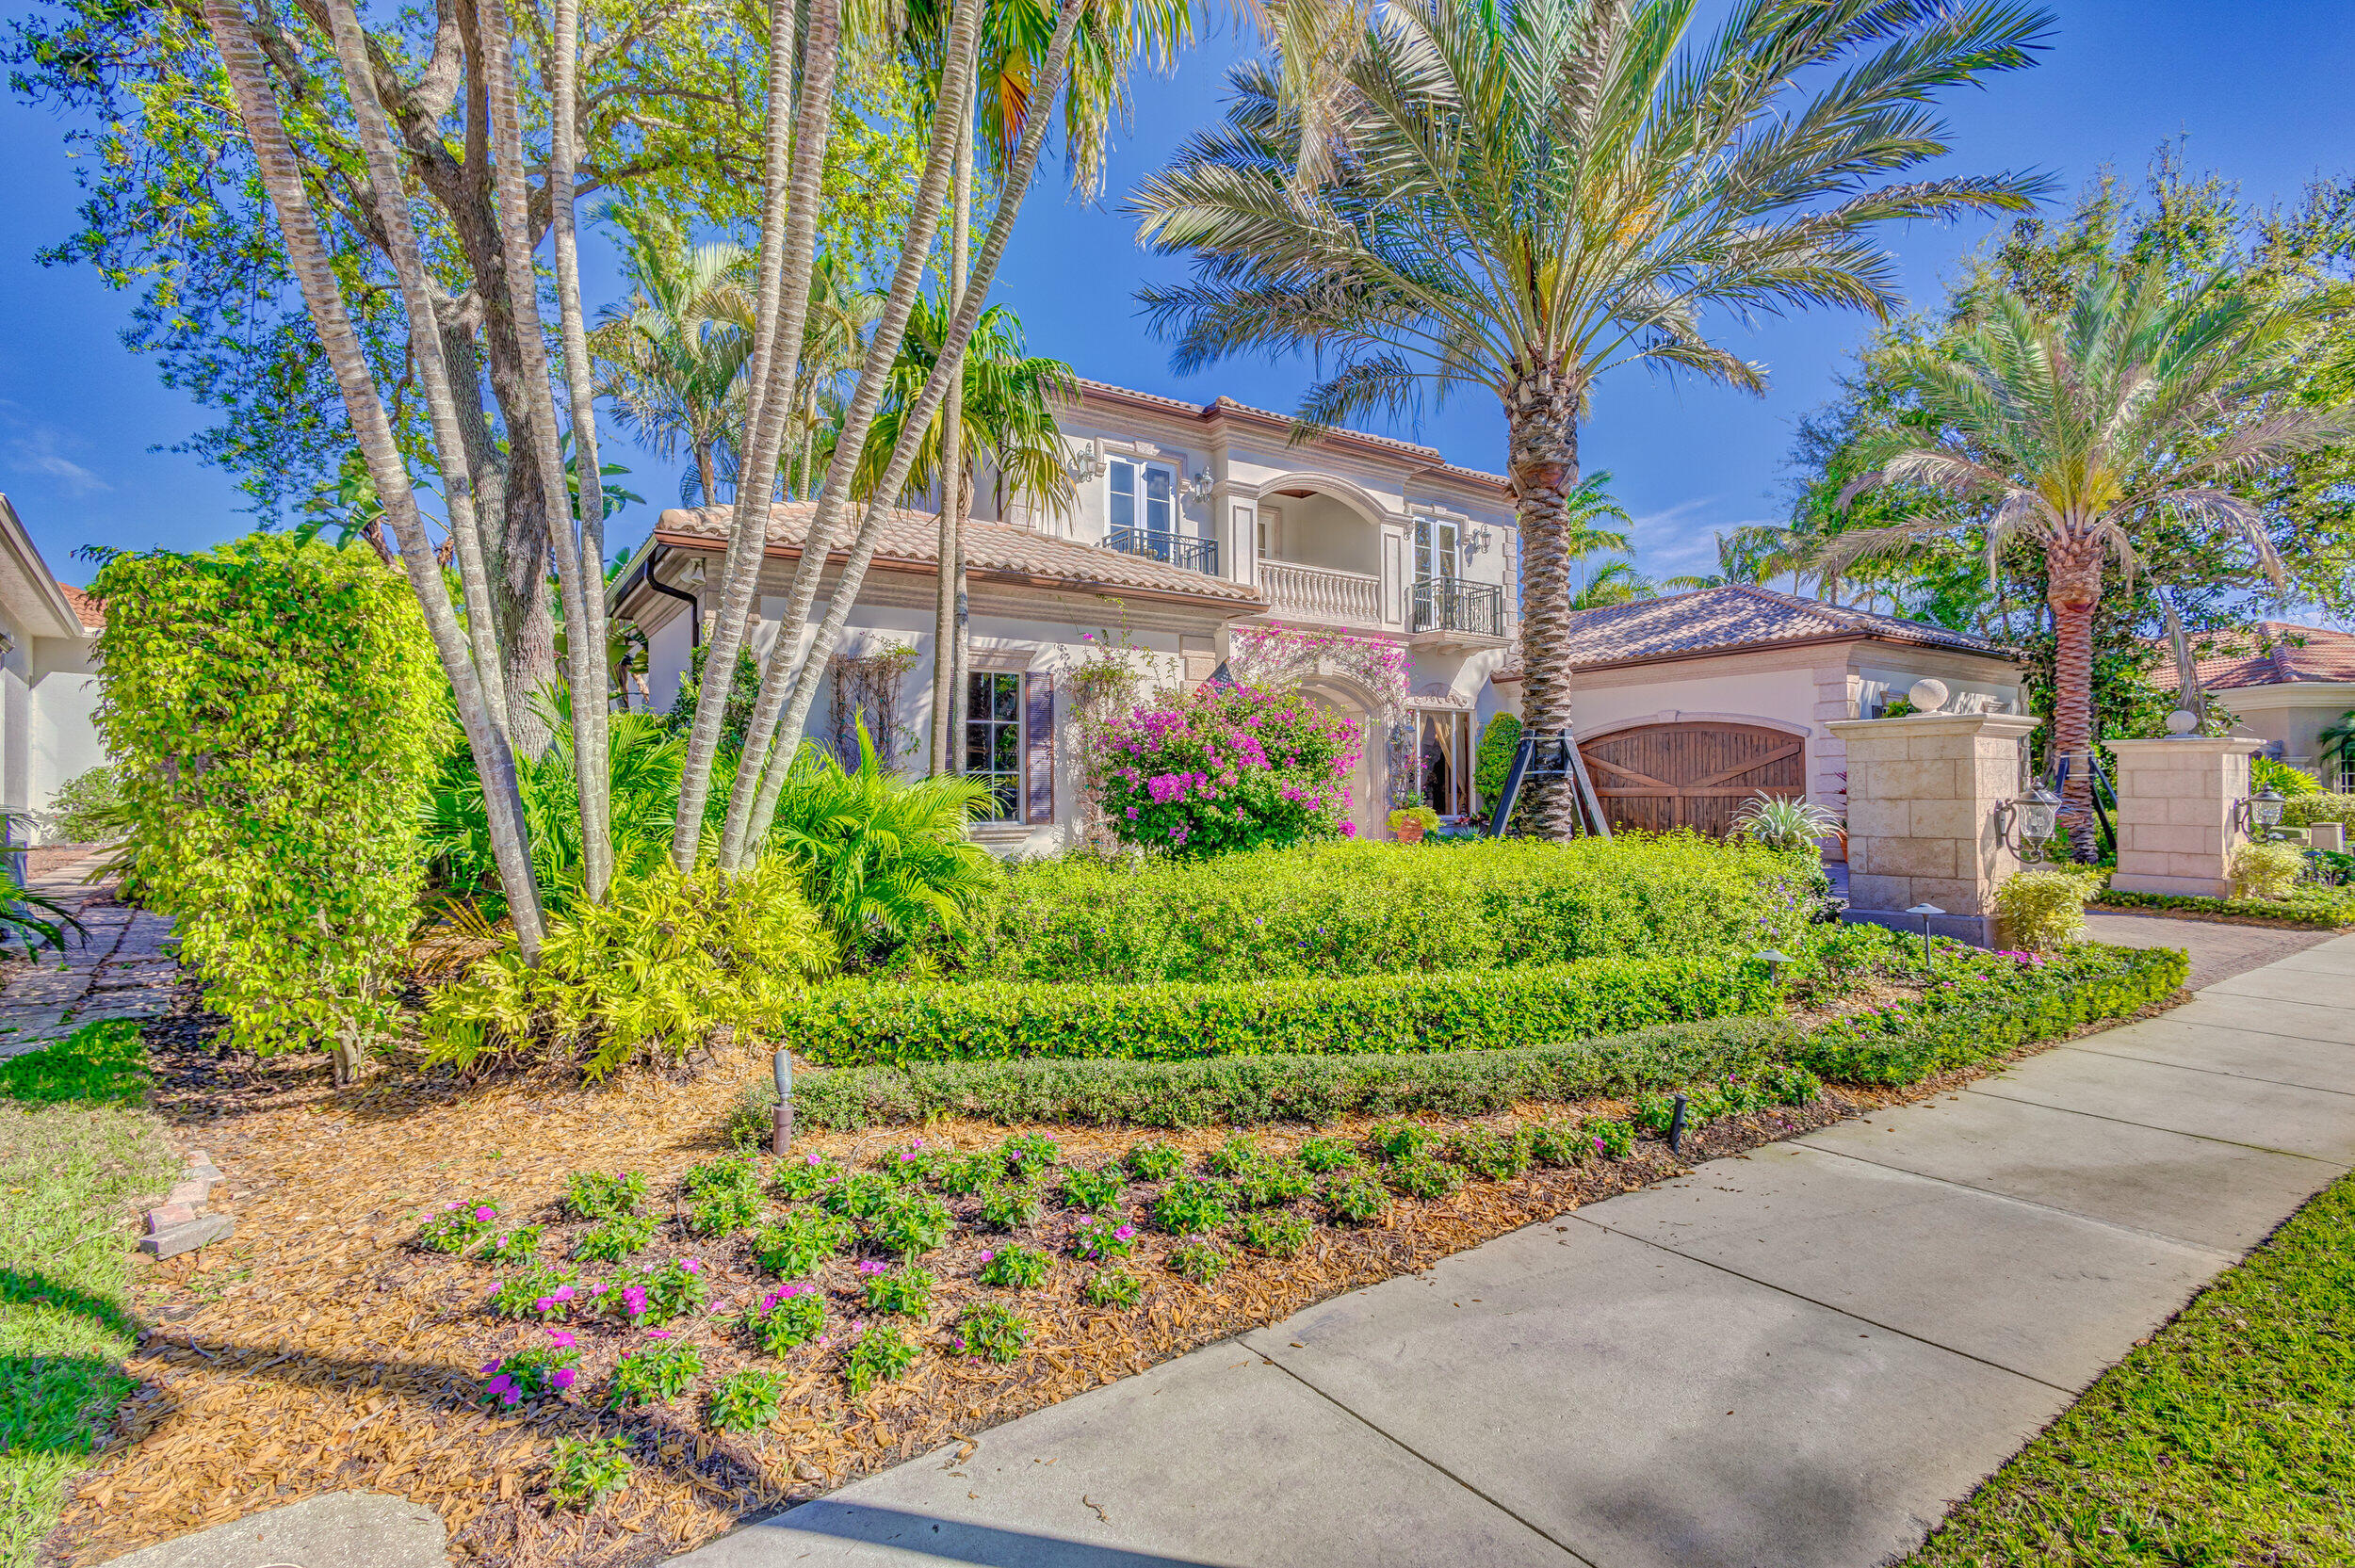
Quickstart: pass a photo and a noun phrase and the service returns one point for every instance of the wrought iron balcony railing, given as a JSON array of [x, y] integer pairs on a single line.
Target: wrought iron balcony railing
[[1455, 605], [1195, 555]]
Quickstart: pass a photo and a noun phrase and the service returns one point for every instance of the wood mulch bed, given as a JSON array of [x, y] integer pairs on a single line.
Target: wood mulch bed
[[319, 1351]]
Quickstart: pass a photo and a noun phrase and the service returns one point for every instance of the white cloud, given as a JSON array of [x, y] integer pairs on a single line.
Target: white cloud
[[35, 447]]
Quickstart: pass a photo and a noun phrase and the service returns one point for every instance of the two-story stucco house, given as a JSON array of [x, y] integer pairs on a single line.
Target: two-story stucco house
[[1190, 522], [1187, 521]]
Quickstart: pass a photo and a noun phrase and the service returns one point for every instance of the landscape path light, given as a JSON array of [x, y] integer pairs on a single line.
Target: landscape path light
[[1926, 912], [1773, 961], [781, 1119]]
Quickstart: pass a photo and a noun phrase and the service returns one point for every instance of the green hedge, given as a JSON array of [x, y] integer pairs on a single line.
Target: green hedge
[[1361, 909], [1976, 1019], [1239, 1091], [2308, 906], [2304, 811], [864, 1024]]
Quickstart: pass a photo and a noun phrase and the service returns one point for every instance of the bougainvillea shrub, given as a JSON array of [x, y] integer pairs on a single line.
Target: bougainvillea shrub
[[1227, 767]]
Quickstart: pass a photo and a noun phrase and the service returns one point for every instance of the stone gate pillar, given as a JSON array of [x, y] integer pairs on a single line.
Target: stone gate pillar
[[1922, 796], [2177, 799]]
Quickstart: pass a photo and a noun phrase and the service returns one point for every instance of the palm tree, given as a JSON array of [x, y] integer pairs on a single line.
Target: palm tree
[[1010, 402], [1528, 193], [1614, 582], [1745, 556], [2135, 405], [672, 355]]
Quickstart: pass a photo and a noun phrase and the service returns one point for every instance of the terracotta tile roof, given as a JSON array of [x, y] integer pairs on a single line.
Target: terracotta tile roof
[[2277, 653], [1720, 619], [911, 539], [88, 611], [1221, 408]]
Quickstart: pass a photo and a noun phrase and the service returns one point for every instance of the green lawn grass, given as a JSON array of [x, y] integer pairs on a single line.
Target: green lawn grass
[[2228, 1439], [70, 1172]]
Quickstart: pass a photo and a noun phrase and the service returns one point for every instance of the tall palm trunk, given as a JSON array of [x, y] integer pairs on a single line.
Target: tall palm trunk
[[1541, 416], [946, 370], [857, 420], [580, 384], [776, 359], [948, 620], [322, 296], [2073, 586]]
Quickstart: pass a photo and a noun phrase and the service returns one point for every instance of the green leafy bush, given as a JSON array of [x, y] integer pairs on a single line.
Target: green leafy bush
[[1323, 1155], [2304, 811], [1244, 1090], [2045, 910], [907, 1290], [862, 1024], [1187, 1207], [787, 1316], [1155, 1162], [1354, 1196], [1029, 1154], [652, 1376], [1010, 1207], [1232, 1158], [523, 1374], [969, 1174], [745, 1401], [584, 1471], [89, 808], [1274, 1181], [457, 1227], [1083, 1189], [1201, 1260], [2309, 904], [520, 1245], [911, 1223], [1423, 1174], [1104, 1238], [100, 1063], [860, 1194], [992, 1331], [1489, 1152], [801, 1179], [2267, 772], [736, 1173], [2266, 870], [596, 1195], [726, 1213], [611, 1241], [1278, 1235], [1401, 1140], [1334, 909], [668, 963], [1015, 1268], [275, 709], [1493, 763], [1556, 1142], [658, 1294], [1114, 1288], [539, 1291], [1612, 1139], [882, 1354], [2019, 1000]]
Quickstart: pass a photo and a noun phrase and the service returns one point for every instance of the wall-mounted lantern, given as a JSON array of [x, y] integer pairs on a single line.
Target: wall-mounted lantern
[[2260, 814], [2027, 824]]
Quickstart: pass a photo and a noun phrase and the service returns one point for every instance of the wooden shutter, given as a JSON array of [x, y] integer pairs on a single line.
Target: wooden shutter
[[1038, 747]]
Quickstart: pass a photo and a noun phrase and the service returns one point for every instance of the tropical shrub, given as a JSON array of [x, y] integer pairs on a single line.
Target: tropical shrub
[[1257, 1090], [1356, 909], [1234, 767], [275, 710], [2272, 773], [2304, 811], [2045, 910], [1492, 762], [859, 1023], [584, 1471], [668, 963], [2266, 870], [1780, 823], [90, 807]]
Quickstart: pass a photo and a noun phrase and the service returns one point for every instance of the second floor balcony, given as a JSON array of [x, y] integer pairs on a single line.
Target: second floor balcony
[[1192, 555], [1456, 612]]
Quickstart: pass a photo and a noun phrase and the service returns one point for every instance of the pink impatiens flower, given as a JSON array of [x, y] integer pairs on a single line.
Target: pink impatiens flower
[[563, 1338], [563, 1376], [658, 1333], [486, 1213], [692, 1266]]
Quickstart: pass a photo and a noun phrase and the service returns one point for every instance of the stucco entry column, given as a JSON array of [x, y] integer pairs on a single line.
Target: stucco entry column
[[1922, 797], [2176, 801]]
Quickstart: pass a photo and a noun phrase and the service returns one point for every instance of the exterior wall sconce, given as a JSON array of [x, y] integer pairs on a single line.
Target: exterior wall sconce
[[1199, 487], [1085, 464], [2027, 824], [2258, 815]]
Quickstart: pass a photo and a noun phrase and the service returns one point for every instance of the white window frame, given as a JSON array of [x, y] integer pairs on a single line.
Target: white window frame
[[1136, 473], [1430, 551]]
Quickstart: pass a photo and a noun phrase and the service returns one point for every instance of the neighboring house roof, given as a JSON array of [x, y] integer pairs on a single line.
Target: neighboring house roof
[[2280, 653], [1427, 458], [993, 551], [1724, 620], [87, 610]]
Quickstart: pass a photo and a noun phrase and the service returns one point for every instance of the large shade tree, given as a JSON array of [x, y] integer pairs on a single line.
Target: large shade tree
[[1524, 196], [2137, 402]]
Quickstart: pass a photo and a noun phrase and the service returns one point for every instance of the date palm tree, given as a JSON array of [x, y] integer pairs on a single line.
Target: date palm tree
[[1525, 194], [2137, 403]]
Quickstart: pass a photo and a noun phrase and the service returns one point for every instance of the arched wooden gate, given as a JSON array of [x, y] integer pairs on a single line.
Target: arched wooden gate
[[1692, 775]]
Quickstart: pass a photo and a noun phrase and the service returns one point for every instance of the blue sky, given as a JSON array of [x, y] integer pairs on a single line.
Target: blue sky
[[2260, 90]]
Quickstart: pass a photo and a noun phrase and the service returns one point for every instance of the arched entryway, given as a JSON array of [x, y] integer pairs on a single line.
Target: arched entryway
[[1694, 773], [1368, 779]]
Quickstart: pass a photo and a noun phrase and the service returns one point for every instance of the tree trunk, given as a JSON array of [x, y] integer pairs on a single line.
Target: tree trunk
[[788, 247], [2072, 570], [307, 259], [708, 473], [778, 678], [1046, 84], [1541, 417], [948, 624]]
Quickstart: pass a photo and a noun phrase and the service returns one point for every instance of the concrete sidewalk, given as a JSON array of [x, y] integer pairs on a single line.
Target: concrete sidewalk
[[1799, 1357]]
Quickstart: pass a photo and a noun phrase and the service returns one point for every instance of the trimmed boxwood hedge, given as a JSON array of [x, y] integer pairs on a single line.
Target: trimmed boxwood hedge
[[1239, 1091], [865, 1024], [2315, 907], [1973, 1021]]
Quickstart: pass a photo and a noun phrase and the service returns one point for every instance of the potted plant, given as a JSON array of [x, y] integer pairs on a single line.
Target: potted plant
[[1411, 822]]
